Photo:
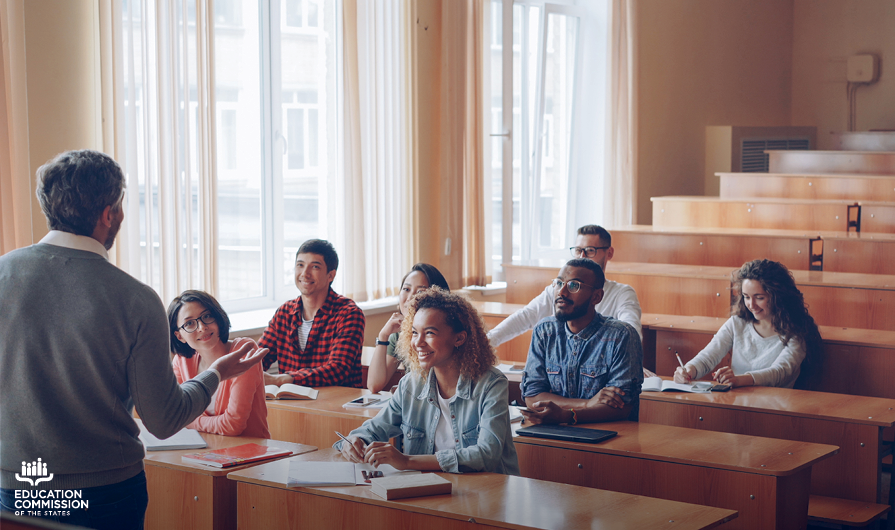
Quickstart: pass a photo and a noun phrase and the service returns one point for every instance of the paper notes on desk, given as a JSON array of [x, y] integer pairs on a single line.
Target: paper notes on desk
[[657, 384], [289, 391], [316, 474], [183, 439], [511, 368], [402, 487]]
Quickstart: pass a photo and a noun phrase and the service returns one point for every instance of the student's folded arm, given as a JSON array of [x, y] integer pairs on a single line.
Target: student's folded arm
[[494, 421], [524, 319], [786, 364], [344, 354], [164, 406]]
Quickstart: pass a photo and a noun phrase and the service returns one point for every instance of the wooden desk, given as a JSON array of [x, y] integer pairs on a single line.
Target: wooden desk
[[192, 496], [854, 423], [314, 421], [861, 252], [801, 186], [847, 162], [765, 480], [478, 501], [765, 212]]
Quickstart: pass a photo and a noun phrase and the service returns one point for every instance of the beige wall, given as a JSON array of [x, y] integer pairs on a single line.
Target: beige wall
[[825, 34], [705, 62], [63, 83]]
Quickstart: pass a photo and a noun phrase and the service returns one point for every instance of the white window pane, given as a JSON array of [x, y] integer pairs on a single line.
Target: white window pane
[[559, 80], [239, 160]]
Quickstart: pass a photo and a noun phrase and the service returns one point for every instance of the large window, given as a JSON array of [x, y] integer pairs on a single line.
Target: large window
[[536, 100], [275, 116], [281, 66]]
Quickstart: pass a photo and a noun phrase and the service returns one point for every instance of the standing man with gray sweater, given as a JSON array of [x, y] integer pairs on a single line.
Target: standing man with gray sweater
[[81, 344]]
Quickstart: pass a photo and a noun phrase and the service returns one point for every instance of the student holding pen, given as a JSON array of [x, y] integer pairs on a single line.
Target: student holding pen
[[769, 334], [451, 408]]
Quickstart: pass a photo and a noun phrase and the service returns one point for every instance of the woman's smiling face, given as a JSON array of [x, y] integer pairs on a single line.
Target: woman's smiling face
[[756, 300], [206, 336]]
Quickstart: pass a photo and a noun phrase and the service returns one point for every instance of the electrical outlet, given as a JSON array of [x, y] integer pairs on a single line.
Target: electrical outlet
[[862, 69]]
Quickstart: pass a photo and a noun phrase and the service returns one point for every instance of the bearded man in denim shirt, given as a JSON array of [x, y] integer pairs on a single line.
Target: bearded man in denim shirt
[[582, 367]]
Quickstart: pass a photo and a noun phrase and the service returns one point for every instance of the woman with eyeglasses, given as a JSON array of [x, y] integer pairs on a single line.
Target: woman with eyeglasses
[[384, 362], [768, 335], [200, 332]]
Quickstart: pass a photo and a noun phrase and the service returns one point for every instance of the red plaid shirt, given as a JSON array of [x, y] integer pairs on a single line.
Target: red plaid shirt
[[332, 354]]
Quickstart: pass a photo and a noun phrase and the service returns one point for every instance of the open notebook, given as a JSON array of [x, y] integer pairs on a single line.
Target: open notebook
[[657, 384]]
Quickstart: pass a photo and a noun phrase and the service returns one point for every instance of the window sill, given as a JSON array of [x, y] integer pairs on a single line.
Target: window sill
[[253, 323]]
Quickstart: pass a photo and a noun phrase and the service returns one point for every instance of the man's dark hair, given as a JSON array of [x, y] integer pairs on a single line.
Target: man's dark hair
[[593, 266], [323, 248], [75, 187], [596, 230], [209, 303]]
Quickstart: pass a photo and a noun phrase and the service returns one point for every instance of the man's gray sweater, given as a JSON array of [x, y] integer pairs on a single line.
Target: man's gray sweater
[[81, 343]]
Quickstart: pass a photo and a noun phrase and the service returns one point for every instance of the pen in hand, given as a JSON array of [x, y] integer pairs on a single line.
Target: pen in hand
[[683, 368]]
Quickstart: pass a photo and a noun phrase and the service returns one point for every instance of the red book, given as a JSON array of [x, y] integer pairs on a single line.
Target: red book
[[235, 456]]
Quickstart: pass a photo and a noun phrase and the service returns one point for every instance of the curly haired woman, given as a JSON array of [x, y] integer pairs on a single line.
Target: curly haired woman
[[769, 333], [451, 407]]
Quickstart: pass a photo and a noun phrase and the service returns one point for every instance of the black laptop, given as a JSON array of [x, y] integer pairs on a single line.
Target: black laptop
[[564, 432]]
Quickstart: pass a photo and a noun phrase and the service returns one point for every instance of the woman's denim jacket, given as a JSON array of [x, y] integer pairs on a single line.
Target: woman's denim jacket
[[480, 420]]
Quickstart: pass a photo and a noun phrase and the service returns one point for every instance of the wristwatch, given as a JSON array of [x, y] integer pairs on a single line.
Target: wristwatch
[[382, 342]]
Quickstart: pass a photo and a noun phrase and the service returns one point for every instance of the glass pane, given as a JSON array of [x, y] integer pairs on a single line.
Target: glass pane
[[308, 108], [519, 154], [240, 168], [559, 79], [496, 80]]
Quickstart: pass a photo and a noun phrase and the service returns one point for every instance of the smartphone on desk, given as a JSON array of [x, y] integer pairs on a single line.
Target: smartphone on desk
[[720, 388]]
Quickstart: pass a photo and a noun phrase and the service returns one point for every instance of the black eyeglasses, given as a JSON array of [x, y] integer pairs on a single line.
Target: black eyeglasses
[[587, 252], [573, 285], [192, 324]]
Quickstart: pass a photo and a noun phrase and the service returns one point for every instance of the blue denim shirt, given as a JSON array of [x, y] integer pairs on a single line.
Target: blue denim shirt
[[480, 421], [607, 352]]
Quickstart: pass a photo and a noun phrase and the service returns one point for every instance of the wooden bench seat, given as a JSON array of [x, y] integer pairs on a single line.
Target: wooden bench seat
[[778, 213], [843, 511], [814, 187], [832, 251]]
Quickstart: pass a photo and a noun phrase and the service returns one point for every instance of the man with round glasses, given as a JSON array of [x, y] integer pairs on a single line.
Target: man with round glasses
[[82, 344], [578, 352], [619, 300]]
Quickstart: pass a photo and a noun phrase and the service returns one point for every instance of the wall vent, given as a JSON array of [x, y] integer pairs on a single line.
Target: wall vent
[[755, 160]]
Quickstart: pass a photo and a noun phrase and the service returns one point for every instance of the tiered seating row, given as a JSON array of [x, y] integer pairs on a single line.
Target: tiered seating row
[[857, 252]]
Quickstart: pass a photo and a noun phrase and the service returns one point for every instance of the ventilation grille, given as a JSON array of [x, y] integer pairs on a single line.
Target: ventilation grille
[[755, 160]]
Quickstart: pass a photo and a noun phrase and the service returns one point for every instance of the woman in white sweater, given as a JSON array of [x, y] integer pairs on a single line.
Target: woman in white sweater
[[768, 335]]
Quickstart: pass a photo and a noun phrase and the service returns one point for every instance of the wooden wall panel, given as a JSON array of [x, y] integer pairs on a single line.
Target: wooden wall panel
[[846, 162], [679, 296], [852, 474], [851, 308], [311, 429], [815, 187], [863, 255], [693, 484]]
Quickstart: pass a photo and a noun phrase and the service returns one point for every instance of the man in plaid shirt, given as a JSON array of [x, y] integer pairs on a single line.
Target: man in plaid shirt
[[316, 339]]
